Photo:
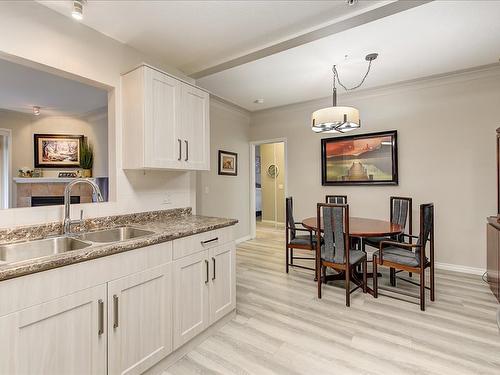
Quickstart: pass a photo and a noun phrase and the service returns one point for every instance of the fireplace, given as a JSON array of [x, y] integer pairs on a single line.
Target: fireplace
[[52, 200]]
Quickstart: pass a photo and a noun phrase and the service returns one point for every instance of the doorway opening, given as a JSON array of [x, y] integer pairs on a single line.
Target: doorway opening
[[268, 184], [5, 167]]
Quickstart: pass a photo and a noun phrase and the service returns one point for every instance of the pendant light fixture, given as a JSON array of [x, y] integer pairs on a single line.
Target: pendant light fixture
[[77, 12], [339, 119]]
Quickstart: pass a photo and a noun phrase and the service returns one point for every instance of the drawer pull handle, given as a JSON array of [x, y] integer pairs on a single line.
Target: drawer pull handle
[[210, 241], [206, 263], [115, 311], [100, 309], [213, 260]]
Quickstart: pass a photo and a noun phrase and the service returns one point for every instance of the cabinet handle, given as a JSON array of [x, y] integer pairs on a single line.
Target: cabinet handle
[[209, 241], [213, 260], [187, 150], [180, 149], [100, 313], [115, 311], [206, 263]]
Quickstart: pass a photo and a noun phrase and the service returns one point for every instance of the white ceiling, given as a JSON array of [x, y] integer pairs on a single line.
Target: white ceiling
[[194, 35], [435, 38], [22, 87]]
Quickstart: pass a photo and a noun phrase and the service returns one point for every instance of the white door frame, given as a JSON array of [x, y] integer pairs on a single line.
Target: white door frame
[[6, 196], [253, 225]]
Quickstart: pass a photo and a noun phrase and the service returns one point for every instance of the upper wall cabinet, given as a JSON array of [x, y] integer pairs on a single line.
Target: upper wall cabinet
[[166, 122]]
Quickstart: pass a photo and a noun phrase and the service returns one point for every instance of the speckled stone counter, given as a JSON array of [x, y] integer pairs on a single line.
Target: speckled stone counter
[[167, 225]]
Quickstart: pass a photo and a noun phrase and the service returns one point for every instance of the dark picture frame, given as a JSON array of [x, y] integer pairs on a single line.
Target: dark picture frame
[[227, 163], [353, 159], [64, 150]]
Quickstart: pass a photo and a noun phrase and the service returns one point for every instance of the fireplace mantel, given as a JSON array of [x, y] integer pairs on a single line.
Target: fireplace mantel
[[44, 180]]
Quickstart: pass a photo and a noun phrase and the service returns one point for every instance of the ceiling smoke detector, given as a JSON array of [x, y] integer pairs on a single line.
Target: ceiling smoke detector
[[77, 12]]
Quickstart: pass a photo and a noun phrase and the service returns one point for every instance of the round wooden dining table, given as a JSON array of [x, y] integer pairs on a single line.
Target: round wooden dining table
[[361, 227]]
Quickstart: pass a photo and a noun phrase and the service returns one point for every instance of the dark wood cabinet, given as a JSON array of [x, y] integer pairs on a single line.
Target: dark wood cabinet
[[493, 255]]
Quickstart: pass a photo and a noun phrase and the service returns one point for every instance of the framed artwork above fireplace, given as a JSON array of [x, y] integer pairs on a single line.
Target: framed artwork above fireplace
[[57, 150]]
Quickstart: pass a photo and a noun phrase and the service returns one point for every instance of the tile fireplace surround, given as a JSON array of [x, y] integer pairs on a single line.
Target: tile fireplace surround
[[48, 187]]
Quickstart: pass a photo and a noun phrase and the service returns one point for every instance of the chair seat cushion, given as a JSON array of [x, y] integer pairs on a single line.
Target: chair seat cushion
[[304, 240], [375, 241], [399, 255], [355, 256]]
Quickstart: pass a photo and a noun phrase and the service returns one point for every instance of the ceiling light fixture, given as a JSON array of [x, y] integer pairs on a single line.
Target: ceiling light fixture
[[36, 110], [259, 101], [337, 119], [77, 12]]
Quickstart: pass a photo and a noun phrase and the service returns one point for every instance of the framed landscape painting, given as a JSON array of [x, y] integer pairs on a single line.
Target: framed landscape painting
[[228, 163], [365, 159], [57, 150]]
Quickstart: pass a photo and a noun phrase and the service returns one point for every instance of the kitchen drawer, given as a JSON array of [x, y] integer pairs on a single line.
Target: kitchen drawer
[[193, 244]]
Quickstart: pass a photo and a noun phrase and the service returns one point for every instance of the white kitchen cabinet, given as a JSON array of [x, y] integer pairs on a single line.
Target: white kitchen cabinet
[[195, 128], [166, 122], [223, 281], [139, 316], [191, 305], [204, 290], [63, 336]]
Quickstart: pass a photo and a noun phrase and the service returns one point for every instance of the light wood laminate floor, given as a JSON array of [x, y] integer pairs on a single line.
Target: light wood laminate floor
[[282, 328]]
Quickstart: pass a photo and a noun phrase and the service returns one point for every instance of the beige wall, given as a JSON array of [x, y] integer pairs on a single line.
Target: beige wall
[[446, 139], [273, 189], [57, 42], [227, 196]]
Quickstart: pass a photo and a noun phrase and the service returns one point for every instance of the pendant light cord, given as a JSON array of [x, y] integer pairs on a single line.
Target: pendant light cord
[[336, 76]]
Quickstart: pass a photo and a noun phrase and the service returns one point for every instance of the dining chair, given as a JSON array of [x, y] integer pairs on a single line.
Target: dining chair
[[336, 199], [296, 241], [337, 254], [401, 214], [409, 256]]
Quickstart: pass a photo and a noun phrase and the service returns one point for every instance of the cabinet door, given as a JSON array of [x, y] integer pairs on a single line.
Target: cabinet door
[[139, 316], [195, 128], [493, 259], [222, 281], [191, 284], [163, 143], [64, 336]]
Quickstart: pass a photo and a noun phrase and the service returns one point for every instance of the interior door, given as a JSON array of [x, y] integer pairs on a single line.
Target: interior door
[[195, 128], [139, 315], [191, 306], [63, 336], [223, 281], [163, 143]]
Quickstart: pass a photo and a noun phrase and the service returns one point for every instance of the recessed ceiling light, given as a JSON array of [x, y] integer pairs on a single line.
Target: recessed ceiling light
[[36, 110], [259, 101], [351, 2], [77, 12]]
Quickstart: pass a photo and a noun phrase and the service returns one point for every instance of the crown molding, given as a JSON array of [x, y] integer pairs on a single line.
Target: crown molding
[[228, 105]]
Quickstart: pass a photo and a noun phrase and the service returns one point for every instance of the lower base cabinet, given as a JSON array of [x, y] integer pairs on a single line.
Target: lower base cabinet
[[131, 321], [204, 291], [63, 336], [139, 316]]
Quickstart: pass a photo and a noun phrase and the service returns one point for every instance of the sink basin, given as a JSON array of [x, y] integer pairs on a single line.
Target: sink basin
[[115, 234], [17, 252]]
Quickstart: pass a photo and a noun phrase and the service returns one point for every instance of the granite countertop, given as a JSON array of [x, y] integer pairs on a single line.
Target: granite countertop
[[167, 225]]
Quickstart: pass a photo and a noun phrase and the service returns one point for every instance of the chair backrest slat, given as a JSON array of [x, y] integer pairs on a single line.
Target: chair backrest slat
[[335, 224], [401, 212], [290, 222], [336, 199], [426, 228]]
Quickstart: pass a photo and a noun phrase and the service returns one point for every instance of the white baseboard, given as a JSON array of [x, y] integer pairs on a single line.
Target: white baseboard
[[243, 239], [459, 268]]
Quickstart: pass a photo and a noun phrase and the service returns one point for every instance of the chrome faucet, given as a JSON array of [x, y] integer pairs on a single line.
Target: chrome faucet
[[67, 202]]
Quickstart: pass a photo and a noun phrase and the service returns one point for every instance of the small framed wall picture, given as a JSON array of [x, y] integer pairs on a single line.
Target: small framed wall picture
[[228, 163]]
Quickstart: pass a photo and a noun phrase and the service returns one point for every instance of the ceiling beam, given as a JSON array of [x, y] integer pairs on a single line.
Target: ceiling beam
[[369, 16]]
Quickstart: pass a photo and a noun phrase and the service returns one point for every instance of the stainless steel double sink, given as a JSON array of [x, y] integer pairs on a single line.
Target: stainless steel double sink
[[20, 251]]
